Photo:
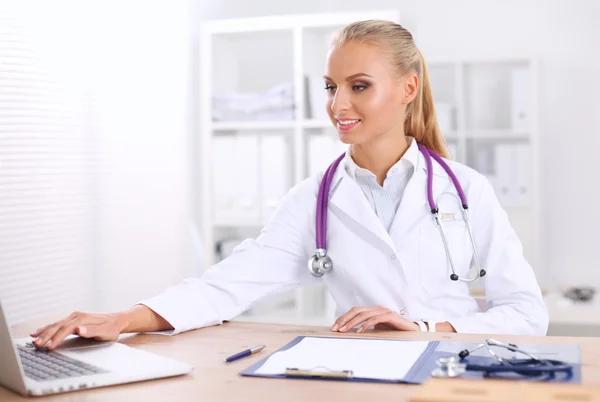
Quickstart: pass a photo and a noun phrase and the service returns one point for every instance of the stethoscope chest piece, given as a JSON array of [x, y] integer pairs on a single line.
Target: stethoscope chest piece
[[320, 263], [449, 367]]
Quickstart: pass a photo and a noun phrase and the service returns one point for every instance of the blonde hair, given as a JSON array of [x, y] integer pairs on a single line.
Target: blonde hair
[[398, 44]]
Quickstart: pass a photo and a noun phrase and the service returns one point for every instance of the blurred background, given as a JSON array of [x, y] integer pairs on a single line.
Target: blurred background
[[124, 124]]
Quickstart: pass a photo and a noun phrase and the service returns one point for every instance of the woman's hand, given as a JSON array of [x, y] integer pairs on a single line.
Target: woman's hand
[[378, 317], [103, 327]]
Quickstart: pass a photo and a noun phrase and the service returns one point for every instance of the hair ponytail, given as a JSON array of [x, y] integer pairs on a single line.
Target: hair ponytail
[[398, 43], [421, 122]]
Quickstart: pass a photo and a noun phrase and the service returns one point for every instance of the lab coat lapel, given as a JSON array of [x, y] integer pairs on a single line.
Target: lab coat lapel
[[349, 199], [414, 208]]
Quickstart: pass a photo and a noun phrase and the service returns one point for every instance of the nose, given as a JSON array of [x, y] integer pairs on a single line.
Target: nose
[[340, 102]]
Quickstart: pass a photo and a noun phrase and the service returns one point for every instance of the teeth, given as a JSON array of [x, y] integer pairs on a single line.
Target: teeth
[[346, 122]]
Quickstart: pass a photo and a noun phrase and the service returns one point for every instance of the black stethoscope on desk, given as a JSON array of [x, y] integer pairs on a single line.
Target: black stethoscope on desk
[[531, 367]]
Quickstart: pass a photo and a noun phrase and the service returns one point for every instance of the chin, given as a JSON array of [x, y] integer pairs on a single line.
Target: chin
[[351, 138]]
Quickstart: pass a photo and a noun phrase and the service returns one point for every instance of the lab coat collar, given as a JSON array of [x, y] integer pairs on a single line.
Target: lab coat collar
[[348, 198], [412, 157], [407, 161]]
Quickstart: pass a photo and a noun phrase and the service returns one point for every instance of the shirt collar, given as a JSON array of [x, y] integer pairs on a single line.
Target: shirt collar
[[407, 161]]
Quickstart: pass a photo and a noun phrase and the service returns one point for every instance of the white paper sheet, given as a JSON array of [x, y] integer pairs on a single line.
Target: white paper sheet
[[367, 358]]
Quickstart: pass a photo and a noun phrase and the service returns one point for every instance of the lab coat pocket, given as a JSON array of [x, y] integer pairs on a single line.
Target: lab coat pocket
[[434, 264]]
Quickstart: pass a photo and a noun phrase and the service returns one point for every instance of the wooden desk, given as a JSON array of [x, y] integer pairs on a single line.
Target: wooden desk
[[213, 380]]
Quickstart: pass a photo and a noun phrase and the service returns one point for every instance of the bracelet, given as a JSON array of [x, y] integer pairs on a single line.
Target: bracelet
[[422, 326], [431, 324]]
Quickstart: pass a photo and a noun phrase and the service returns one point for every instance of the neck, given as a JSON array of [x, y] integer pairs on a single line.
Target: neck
[[379, 156]]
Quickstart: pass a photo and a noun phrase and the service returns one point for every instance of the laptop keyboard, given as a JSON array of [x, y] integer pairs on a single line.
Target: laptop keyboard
[[44, 365]]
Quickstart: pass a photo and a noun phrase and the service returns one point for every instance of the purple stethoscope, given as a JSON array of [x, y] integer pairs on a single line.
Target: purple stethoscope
[[320, 263]]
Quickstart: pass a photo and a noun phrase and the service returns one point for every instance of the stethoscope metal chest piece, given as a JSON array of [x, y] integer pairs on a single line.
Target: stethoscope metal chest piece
[[320, 263]]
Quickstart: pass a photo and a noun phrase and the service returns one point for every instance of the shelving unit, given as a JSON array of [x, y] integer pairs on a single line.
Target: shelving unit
[[251, 158], [487, 109]]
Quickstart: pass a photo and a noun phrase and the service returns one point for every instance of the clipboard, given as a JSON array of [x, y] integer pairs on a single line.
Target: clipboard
[[422, 368], [417, 374]]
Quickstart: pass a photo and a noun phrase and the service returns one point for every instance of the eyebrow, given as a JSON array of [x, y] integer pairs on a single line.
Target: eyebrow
[[351, 77]]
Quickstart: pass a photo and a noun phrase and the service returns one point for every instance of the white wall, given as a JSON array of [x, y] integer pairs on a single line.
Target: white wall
[[563, 36], [132, 60], [142, 66]]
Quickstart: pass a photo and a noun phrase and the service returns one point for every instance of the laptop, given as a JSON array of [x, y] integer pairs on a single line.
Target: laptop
[[76, 364]]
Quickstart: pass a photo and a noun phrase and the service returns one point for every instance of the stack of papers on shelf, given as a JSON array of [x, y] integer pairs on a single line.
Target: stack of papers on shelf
[[275, 104]]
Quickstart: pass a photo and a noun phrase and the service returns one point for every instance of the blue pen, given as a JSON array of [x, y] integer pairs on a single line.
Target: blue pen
[[245, 353]]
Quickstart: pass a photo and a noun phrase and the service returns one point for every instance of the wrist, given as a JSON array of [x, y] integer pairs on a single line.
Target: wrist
[[445, 327], [124, 320], [133, 319]]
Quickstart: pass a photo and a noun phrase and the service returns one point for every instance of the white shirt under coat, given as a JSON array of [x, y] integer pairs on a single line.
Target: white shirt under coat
[[385, 252]]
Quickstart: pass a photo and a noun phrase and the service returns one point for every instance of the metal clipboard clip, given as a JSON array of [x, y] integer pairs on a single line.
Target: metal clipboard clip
[[319, 371]]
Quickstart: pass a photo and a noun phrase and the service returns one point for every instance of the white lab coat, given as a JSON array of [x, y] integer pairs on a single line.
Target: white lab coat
[[405, 270]]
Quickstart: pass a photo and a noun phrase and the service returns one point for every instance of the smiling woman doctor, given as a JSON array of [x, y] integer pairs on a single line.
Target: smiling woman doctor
[[387, 262]]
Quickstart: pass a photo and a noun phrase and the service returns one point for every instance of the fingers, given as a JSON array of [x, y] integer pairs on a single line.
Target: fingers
[[51, 335], [390, 319], [43, 339], [38, 331], [362, 317], [343, 319], [74, 327], [355, 316], [378, 319]]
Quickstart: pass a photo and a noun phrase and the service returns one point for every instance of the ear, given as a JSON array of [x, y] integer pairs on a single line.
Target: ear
[[410, 86]]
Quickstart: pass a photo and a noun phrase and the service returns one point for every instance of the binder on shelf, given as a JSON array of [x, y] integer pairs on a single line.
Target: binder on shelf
[[523, 174], [519, 99], [235, 185], [504, 179], [392, 360], [274, 173]]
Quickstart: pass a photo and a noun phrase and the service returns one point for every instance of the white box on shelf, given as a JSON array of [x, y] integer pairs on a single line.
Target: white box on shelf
[[520, 98], [235, 180], [504, 179], [274, 172], [223, 177]]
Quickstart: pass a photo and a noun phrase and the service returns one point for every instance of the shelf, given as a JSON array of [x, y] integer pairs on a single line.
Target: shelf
[[253, 125]]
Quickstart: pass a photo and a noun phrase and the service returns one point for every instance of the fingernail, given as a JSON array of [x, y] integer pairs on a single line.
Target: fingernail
[[82, 331], [343, 328], [359, 330], [335, 327]]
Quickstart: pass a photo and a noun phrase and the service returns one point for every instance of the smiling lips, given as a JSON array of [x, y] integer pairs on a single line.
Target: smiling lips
[[347, 124]]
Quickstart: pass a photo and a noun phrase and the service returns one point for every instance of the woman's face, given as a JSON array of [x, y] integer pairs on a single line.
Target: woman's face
[[366, 95]]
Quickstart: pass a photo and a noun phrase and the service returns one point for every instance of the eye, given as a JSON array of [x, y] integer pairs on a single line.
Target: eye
[[329, 88], [359, 87]]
